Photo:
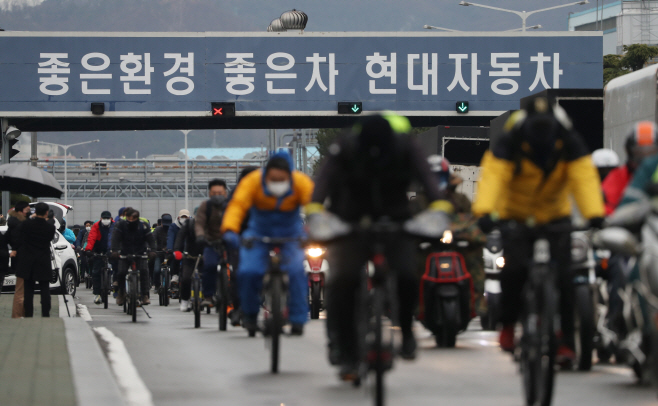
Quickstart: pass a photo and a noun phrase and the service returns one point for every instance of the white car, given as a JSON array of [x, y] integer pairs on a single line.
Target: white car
[[63, 256]]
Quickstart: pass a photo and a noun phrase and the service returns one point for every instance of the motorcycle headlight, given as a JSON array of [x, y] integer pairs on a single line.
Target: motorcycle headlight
[[315, 252], [447, 237], [500, 262], [579, 249]]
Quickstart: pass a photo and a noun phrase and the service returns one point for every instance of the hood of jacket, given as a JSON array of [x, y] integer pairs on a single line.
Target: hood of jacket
[[18, 215]]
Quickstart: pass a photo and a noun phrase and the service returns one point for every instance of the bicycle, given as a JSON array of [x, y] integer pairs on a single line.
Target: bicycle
[[133, 286], [540, 298], [195, 296], [165, 281], [377, 306], [106, 278], [275, 295], [222, 289]]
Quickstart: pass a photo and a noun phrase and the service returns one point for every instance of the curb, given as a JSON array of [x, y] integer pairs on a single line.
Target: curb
[[93, 381]]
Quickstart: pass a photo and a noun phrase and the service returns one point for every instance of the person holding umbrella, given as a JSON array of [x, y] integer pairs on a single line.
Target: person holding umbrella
[[35, 264], [17, 216]]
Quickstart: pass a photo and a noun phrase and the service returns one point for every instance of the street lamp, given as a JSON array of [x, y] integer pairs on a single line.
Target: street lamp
[[66, 154], [432, 27], [186, 180], [523, 14]]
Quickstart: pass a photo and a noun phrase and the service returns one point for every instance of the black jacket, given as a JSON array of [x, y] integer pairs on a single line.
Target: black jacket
[[160, 235], [35, 251], [186, 240], [132, 241], [357, 188], [13, 228], [4, 253]]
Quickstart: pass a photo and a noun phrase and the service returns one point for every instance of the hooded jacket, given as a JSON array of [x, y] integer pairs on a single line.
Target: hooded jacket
[[269, 215], [209, 226], [100, 237], [518, 186], [174, 228]]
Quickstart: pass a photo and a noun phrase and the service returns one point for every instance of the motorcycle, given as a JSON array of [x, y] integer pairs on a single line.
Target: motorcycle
[[317, 268], [446, 291], [640, 295], [585, 298], [494, 262]]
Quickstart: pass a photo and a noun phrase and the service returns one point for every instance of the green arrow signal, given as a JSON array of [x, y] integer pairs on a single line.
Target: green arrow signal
[[463, 108], [355, 108]]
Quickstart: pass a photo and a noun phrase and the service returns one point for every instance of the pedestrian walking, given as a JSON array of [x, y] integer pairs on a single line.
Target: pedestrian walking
[[35, 264], [17, 216]]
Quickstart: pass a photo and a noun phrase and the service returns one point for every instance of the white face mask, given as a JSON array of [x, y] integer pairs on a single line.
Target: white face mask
[[278, 189], [88, 228], [106, 222]]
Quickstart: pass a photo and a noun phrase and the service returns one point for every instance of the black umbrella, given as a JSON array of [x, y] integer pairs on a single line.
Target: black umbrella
[[29, 180]]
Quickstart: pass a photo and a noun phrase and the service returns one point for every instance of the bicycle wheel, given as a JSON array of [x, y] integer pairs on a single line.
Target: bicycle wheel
[[196, 302], [166, 285], [133, 296], [104, 286], [276, 319], [539, 345], [378, 348], [222, 298]]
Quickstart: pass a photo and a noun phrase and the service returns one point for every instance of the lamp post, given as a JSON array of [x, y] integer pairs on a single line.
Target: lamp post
[[66, 154], [186, 180], [523, 14]]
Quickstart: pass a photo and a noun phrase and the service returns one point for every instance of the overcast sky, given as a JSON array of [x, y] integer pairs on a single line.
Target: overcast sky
[[255, 15]]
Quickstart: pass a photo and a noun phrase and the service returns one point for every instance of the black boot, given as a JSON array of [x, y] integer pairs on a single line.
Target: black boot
[[408, 350]]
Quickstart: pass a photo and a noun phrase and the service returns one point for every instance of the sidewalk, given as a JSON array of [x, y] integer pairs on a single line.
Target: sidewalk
[[34, 359]]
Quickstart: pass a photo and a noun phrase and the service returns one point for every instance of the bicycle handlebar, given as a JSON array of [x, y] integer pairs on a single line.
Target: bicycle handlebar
[[272, 240], [130, 257]]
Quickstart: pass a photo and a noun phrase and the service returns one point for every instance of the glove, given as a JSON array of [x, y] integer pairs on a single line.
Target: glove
[[486, 223], [597, 222], [89, 253], [201, 241], [114, 254], [178, 255], [232, 239], [151, 254]]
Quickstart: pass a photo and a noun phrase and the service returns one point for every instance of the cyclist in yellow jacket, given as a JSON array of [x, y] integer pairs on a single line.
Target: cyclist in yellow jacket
[[529, 177], [272, 196]]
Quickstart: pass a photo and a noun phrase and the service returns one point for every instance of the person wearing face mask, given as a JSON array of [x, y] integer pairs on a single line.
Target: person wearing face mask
[[98, 242], [132, 237], [173, 231], [208, 221], [272, 196], [160, 235]]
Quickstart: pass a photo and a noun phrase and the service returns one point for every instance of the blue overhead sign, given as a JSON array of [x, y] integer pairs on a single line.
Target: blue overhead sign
[[265, 74]]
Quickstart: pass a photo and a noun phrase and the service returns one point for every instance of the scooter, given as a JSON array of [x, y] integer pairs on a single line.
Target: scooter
[[585, 298], [640, 295], [494, 262], [317, 268], [446, 291]]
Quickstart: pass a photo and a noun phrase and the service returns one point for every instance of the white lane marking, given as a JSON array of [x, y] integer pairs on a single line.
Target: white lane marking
[[124, 370], [83, 312]]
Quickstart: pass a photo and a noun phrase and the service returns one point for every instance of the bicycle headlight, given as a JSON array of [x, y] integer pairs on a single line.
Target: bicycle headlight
[[500, 262], [447, 237], [315, 252]]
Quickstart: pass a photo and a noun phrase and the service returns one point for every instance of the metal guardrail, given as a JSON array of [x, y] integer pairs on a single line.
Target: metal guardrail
[[141, 178]]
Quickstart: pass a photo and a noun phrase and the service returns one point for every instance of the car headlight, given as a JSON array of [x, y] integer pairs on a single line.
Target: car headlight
[[579, 248], [315, 252], [447, 237], [500, 262]]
